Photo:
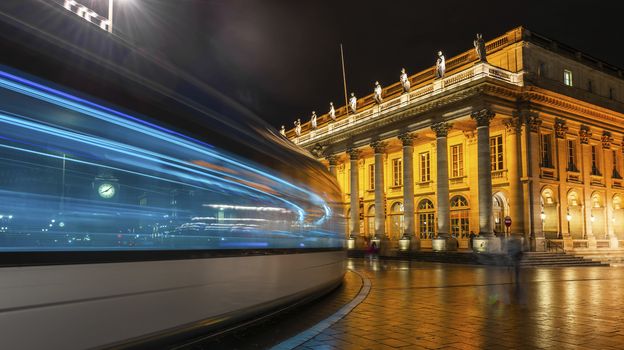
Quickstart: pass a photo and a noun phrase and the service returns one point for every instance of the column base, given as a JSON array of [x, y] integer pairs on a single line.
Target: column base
[[614, 243], [487, 244], [568, 243], [409, 243], [591, 242]]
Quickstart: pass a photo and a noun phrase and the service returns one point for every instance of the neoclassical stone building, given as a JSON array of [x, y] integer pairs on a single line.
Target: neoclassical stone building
[[535, 132]]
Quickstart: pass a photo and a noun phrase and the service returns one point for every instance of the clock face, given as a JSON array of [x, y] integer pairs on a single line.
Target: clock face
[[106, 190]]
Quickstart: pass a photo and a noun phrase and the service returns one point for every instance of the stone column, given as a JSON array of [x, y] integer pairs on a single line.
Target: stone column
[[442, 191], [514, 165], [354, 229], [380, 212], [533, 163], [333, 162], [584, 136], [562, 169], [483, 118], [408, 189]]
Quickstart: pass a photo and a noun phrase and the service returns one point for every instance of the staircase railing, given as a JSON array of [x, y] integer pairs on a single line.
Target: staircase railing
[[553, 246]]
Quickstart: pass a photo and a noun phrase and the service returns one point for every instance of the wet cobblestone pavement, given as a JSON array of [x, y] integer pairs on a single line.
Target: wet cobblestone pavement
[[415, 305]]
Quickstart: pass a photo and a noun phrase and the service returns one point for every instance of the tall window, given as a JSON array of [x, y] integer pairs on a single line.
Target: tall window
[[370, 220], [371, 176], [426, 219], [457, 161], [547, 150], [595, 170], [396, 220], [611, 93], [590, 86], [397, 172], [425, 167], [541, 70], [460, 213], [572, 156], [567, 77], [496, 152], [616, 166]]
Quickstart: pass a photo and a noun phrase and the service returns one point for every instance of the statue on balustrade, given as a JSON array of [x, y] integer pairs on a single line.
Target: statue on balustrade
[[332, 111], [440, 66], [298, 127], [283, 131], [479, 45], [377, 93], [404, 80], [353, 103], [313, 120]]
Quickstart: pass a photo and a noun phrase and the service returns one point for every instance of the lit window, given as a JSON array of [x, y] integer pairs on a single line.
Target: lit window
[[426, 218], [572, 156], [460, 217], [425, 167], [396, 220], [397, 172], [496, 152], [567, 77], [371, 176], [457, 161], [547, 150], [595, 170]]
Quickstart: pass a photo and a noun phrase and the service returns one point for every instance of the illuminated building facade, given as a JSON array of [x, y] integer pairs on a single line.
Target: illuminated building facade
[[534, 132]]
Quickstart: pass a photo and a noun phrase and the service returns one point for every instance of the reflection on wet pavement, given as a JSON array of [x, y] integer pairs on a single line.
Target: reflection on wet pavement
[[416, 305]]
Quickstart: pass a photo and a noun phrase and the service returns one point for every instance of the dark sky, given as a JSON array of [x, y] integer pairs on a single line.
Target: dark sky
[[281, 59]]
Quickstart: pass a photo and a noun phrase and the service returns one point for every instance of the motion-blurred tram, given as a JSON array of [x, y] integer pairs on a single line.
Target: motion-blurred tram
[[137, 205]]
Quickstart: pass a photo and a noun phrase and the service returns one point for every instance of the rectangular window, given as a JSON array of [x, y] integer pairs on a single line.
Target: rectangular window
[[611, 93], [496, 152], [371, 176], [426, 225], [595, 170], [541, 70], [572, 156], [457, 161], [425, 167], [397, 172], [567, 77], [590, 86], [460, 223], [616, 166], [546, 146]]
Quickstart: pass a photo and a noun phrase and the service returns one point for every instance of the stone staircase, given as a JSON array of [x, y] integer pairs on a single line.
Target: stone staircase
[[613, 257], [543, 259], [529, 259]]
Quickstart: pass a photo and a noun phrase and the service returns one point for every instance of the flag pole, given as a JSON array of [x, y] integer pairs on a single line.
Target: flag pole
[[344, 79]]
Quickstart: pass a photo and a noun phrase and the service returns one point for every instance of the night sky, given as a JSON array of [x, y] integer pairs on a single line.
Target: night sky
[[281, 59]]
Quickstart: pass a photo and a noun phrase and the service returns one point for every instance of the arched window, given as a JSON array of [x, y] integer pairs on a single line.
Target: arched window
[[426, 214], [618, 217], [396, 220], [370, 220], [550, 216], [460, 217]]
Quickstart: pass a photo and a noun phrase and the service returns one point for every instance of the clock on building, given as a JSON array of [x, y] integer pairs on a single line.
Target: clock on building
[[106, 190]]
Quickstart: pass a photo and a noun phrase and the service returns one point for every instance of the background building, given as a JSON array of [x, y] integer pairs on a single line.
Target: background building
[[534, 132]]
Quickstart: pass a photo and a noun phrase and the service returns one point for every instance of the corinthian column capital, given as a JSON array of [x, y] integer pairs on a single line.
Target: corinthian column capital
[[332, 159], [354, 153], [379, 146], [441, 128], [483, 117], [407, 139]]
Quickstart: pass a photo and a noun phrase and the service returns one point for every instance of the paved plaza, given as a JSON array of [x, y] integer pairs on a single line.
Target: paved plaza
[[414, 305]]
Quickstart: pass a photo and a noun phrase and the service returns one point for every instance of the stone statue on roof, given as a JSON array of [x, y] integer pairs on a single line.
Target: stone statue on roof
[[313, 120], [283, 131], [479, 45], [353, 103], [440, 66], [377, 93], [404, 80], [298, 127], [332, 111]]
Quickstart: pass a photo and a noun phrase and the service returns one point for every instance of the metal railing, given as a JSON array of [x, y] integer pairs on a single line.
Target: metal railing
[[553, 246]]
